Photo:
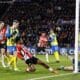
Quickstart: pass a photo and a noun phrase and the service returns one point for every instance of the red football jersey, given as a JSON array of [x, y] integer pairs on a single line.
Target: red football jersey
[[2, 35], [42, 41], [23, 52]]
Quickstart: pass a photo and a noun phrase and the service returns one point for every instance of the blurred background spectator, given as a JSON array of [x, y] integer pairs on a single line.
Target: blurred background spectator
[[41, 15]]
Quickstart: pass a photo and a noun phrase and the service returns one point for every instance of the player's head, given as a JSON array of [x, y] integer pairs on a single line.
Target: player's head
[[19, 40], [15, 23], [43, 34], [51, 31], [1, 24]]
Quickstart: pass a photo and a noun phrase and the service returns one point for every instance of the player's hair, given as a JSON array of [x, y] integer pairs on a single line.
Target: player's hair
[[1, 22], [18, 40], [15, 21]]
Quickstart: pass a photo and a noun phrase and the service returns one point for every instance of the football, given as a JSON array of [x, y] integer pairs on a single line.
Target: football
[[30, 69]]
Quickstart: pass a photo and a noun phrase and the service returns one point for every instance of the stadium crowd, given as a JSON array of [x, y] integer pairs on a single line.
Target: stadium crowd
[[39, 16], [29, 22]]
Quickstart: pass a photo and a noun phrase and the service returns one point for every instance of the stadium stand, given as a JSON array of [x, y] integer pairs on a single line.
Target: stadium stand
[[36, 17]]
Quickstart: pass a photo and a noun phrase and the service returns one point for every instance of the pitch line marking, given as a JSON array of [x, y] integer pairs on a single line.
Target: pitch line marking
[[45, 77]]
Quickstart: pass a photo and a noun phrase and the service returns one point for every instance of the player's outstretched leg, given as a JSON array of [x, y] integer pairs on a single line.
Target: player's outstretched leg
[[67, 68], [46, 66]]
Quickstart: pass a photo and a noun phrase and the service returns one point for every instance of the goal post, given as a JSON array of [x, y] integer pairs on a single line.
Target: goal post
[[76, 36]]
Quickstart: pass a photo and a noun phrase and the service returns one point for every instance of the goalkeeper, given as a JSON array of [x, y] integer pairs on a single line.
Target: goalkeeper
[[70, 68]]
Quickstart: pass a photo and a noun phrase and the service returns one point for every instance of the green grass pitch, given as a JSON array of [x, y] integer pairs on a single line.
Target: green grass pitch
[[6, 74]]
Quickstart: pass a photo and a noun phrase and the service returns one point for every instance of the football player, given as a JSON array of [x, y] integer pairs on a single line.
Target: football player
[[29, 59]]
